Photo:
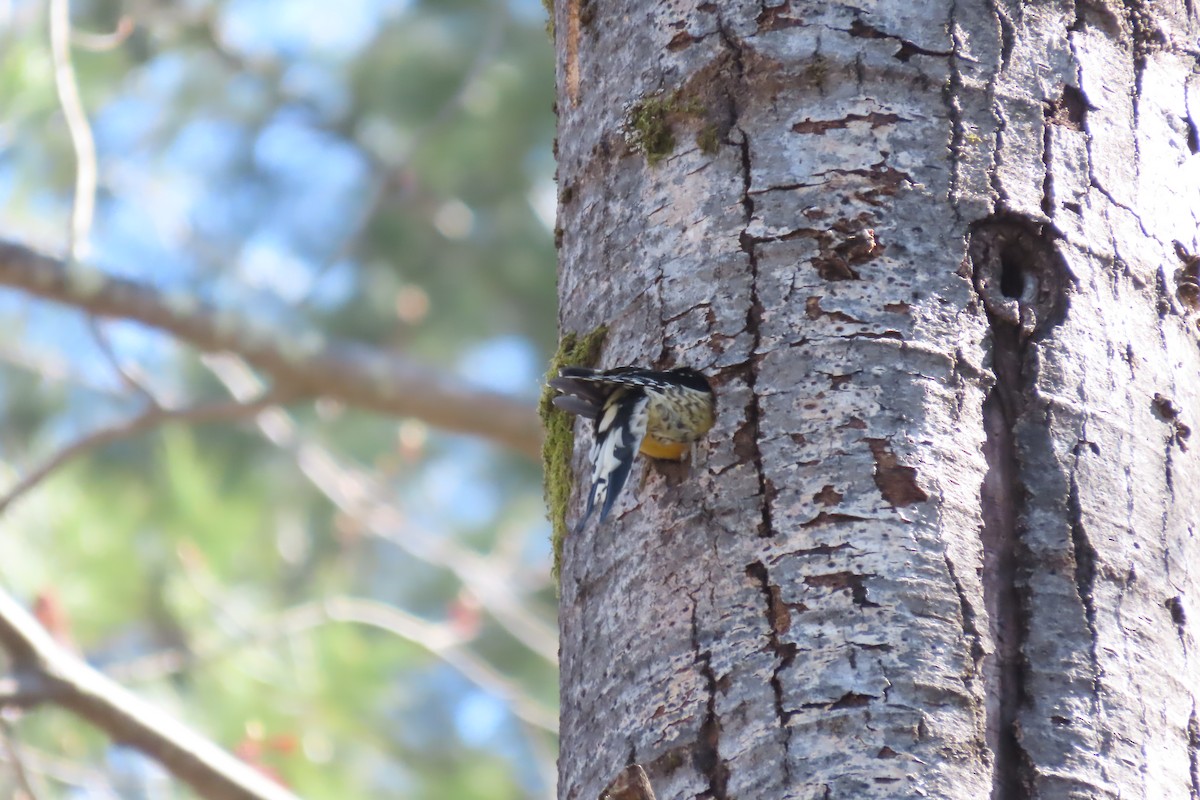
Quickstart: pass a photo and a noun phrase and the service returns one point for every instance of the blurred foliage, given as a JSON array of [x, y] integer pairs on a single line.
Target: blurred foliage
[[378, 170]]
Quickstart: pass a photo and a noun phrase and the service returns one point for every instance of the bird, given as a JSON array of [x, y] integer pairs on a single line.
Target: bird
[[659, 413]]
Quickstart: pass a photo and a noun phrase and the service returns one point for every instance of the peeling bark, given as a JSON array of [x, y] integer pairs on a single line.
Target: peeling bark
[[940, 263]]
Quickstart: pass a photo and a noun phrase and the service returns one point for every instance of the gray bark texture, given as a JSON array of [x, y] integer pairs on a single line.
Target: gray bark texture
[[940, 258]]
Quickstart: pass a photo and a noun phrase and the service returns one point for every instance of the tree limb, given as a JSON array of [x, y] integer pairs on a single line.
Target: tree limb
[[207, 769], [354, 373]]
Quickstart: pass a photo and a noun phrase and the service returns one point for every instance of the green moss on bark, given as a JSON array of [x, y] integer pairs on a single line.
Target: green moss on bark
[[709, 139], [650, 123], [573, 350]]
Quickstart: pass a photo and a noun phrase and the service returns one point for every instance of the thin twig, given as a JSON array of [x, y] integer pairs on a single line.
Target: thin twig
[[104, 344], [103, 42], [83, 204], [355, 492], [83, 207], [153, 417], [442, 642], [438, 639], [13, 754]]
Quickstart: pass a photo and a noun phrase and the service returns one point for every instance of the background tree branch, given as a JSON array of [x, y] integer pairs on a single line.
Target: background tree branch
[[361, 496], [76, 687], [151, 418], [354, 373]]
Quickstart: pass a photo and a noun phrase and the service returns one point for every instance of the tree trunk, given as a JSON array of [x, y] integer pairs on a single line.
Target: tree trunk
[[941, 262]]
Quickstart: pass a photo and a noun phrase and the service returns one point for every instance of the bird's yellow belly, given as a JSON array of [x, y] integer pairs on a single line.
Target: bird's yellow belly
[[657, 448]]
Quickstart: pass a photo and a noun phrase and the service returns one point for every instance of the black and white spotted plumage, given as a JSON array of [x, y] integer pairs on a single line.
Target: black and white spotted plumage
[[659, 413]]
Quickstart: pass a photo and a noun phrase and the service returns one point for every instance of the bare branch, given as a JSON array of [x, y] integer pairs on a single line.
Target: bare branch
[[25, 689], [83, 204], [439, 639], [103, 42], [106, 349], [445, 644], [357, 493], [153, 417], [207, 769], [353, 373]]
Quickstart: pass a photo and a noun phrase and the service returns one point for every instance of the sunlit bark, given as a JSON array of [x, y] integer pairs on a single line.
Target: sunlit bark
[[941, 261]]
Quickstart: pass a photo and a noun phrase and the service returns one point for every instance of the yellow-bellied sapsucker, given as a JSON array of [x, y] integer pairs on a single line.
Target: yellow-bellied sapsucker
[[659, 413]]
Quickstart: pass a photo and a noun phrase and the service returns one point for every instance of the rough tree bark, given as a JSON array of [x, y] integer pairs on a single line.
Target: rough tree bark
[[941, 259]]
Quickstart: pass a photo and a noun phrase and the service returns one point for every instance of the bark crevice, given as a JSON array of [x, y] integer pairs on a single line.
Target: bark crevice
[[780, 619], [1001, 496], [707, 753], [754, 309], [862, 30], [1175, 607], [952, 96], [1047, 163], [1024, 283], [969, 619], [1193, 748], [1085, 571], [1018, 288]]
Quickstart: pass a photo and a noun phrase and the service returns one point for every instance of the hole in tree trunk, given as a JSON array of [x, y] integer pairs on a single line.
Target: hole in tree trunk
[[1012, 277]]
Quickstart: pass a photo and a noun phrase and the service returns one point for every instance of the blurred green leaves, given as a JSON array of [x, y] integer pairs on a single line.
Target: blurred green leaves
[[398, 191]]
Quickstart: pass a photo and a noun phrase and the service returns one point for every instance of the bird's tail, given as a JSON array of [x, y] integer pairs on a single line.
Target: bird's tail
[[581, 391]]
